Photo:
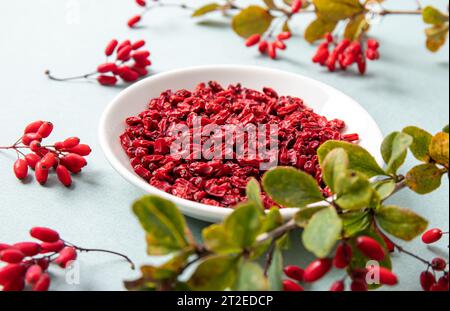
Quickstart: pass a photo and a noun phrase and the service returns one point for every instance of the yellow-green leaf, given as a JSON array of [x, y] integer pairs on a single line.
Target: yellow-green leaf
[[436, 37], [164, 224], [252, 20], [318, 28], [334, 167], [276, 271], [421, 142], [218, 240], [355, 222], [215, 273], [244, 224], [251, 278], [424, 178], [394, 150], [322, 233], [254, 193], [384, 188], [354, 191], [206, 9], [355, 27], [336, 10], [439, 148], [433, 16], [303, 216]]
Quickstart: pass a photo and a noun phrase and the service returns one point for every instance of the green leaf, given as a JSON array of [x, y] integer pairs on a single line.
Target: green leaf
[[215, 273], [291, 188], [254, 193], [385, 188], [360, 159], [206, 9], [318, 28], [303, 216], [355, 223], [394, 150], [354, 191], [445, 129], [272, 220], [275, 272], [336, 10], [218, 240], [401, 223], [164, 224], [252, 20], [439, 148], [436, 37], [322, 233], [355, 27], [421, 142], [334, 167], [244, 225], [433, 16], [424, 178], [251, 278]]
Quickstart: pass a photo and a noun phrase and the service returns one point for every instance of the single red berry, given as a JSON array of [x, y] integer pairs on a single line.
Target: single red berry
[[141, 71], [134, 20], [48, 161], [81, 149], [33, 274], [444, 282], [427, 279], [44, 234], [372, 54], [33, 127], [29, 249], [138, 44], [385, 275], [432, 236], [35, 146], [321, 56], [124, 53], [54, 247], [280, 45], [67, 255], [32, 159], [291, 286], [354, 48], [373, 44], [317, 269], [272, 50], [370, 248], [253, 40], [46, 129], [263, 45], [12, 255], [342, 46], [338, 286], [438, 288], [141, 3], [124, 44], [111, 47], [286, 35], [439, 264], [362, 64], [106, 67], [140, 55], [27, 139], [107, 80], [11, 272], [359, 286], [64, 175], [21, 169], [128, 74], [43, 284], [294, 272], [4, 246], [15, 286], [41, 173], [143, 63], [343, 256], [329, 37], [44, 263], [296, 6], [70, 142]]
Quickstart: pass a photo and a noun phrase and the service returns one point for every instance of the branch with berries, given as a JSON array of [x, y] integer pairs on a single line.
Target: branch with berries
[[65, 157], [342, 23], [351, 231], [130, 62], [26, 264]]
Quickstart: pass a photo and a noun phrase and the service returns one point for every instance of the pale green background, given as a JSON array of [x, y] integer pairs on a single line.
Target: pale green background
[[408, 86]]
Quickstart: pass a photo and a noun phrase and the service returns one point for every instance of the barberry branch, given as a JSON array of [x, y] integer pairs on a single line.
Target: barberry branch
[[87, 250]]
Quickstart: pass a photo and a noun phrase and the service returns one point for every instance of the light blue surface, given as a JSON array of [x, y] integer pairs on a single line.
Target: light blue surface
[[408, 86]]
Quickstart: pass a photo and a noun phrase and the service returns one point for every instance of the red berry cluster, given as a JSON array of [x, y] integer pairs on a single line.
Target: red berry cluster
[[428, 279], [130, 63], [345, 54], [368, 246], [27, 263], [267, 45], [65, 157]]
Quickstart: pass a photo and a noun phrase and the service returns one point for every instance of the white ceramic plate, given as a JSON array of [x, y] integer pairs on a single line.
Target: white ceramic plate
[[324, 99]]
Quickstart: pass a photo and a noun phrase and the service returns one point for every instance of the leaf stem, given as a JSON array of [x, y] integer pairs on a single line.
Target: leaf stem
[[87, 250], [277, 233], [404, 251]]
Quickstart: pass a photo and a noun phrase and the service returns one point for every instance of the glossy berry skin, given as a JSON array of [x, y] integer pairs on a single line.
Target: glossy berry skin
[[33, 274], [32, 159], [64, 175], [359, 286], [107, 67], [284, 36], [46, 129], [54, 247], [338, 286], [28, 248], [438, 264], [296, 6], [294, 272], [107, 80], [263, 46], [385, 275], [43, 284], [67, 255], [432, 236], [21, 169], [138, 44], [45, 234], [41, 173], [291, 286], [317, 269], [10, 273], [33, 127], [370, 248], [272, 50], [134, 20], [141, 3], [253, 40], [4, 246], [427, 280], [11, 255], [111, 47], [343, 256]]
